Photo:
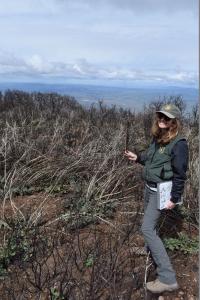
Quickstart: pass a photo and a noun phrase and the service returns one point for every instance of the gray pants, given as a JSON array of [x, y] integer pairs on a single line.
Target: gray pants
[[165, 271]]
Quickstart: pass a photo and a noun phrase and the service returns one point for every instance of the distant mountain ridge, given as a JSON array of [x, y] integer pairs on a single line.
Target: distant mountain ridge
[[126, 97]]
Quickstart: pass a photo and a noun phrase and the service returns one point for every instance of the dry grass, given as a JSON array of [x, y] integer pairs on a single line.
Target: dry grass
[[52, 147]]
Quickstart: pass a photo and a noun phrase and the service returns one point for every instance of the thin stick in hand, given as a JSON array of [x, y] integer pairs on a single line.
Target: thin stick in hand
[[127, 136]]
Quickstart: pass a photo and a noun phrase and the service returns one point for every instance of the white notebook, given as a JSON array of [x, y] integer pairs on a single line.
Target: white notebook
[[164, 194]]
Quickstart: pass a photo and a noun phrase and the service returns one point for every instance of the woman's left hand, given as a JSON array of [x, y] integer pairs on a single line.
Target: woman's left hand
[[170, 205]]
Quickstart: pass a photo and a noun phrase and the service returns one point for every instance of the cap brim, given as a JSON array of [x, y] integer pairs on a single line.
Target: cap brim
[[166, 114]]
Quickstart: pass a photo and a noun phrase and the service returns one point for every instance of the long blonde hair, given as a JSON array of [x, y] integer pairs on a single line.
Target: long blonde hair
[[164, 137]]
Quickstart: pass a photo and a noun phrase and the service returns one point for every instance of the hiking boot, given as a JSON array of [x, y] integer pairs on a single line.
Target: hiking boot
[[158, 287]]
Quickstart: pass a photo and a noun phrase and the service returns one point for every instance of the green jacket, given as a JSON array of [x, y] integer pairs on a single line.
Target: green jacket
[[157, 162]]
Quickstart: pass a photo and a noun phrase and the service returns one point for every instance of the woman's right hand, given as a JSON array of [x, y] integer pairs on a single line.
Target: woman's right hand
[[130, 155]]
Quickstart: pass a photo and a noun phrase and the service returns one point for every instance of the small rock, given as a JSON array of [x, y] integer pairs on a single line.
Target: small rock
[[181, 293]]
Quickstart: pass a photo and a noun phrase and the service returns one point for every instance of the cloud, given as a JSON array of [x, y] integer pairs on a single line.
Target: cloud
[[37, 67], [138, 6], [148, 6], [29, 7], [9, 59]]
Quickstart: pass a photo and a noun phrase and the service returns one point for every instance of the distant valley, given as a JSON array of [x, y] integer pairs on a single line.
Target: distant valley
[[133, 98]]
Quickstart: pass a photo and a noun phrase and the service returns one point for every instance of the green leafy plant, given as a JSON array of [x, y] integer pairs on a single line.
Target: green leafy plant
[[182, 243], [85, 211], [57, 188], [17, 246], [89, 261], [55, 295]]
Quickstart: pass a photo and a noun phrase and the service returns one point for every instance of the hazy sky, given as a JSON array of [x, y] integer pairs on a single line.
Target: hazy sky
[[126, 42]]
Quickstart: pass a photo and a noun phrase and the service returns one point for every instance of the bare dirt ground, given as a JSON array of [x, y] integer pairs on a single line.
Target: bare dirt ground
[[131, 265]]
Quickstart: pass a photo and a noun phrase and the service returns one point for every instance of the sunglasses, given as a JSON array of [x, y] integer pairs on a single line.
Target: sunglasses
[[162, 116]]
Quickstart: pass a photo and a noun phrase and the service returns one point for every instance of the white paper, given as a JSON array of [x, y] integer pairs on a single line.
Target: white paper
[[164, 193]]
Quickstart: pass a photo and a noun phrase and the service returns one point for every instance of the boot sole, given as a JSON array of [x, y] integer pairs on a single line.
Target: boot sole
[[164, 291]]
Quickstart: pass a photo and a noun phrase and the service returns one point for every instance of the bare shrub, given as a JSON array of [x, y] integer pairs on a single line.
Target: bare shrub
[[51, 145]]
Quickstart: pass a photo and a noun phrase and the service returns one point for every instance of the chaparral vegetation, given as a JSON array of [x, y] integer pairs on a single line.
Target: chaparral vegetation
[[72, 204]]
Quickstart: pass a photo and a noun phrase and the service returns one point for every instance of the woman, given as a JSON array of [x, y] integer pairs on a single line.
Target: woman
[[165, 159]]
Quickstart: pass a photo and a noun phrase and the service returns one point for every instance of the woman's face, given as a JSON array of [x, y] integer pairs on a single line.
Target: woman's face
[[163, 121]]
